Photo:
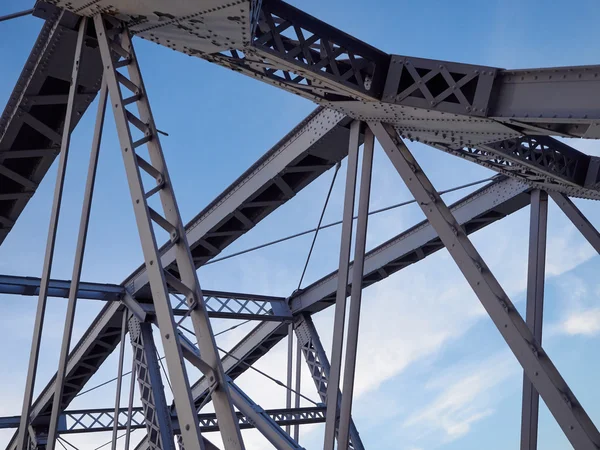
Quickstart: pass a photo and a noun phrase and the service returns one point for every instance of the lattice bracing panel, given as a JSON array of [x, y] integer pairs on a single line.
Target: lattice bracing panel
[[546, 154], [440, 85], [150, 385], [100, 420], [239, 306], [300, 53], [539, 160]]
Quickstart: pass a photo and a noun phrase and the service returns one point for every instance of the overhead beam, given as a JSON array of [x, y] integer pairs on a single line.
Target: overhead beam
[[529, 96], [221, 305]]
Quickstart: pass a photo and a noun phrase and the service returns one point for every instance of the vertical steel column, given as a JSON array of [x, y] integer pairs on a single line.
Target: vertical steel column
[[535, 310], [581, 222], [290, 351], [130, 405], [546, 379], [356, 291], [185, 280], [77, 266], [332, 413], [156, 411], [119, 380], [318, 366], [22, 438], [298, 382]]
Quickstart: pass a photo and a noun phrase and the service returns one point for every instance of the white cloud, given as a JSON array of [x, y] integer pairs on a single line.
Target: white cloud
[[585, 323], [464, 399]]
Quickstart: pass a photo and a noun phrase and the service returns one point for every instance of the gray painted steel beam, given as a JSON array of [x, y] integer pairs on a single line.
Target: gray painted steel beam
[[546, 379], [169, 218], [280, 439], [529, 96], [13, 284], [78, 264], [262, 420], [356, 291], [331, 424], [222, 305], [535, 310]]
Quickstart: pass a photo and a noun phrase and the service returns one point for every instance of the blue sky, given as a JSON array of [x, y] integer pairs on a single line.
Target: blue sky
[[433, 372]]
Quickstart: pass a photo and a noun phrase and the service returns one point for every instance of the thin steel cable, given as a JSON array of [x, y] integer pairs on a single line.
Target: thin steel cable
[[101, 384], [160, 359], [329, 225], [164, 371], [312, 245], [275, 380], [109, 442], [59, 438], [232, 328], [61, 444]]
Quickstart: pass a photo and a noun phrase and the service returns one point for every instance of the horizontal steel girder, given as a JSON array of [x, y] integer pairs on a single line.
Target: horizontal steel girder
[[475, 211], [478, 112], [223, 305], [102, 419], [315, 145]]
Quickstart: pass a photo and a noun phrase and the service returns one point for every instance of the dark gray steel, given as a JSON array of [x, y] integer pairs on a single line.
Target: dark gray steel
[[332, 415], [541, 161], [13, 284], [22, 443], [156, 414], [356, 291], [535, 310], [561, 402], [15, 15], [439, 85]]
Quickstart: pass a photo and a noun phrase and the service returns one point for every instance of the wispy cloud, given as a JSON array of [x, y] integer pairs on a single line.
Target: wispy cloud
[[585, 323], [464, 398]]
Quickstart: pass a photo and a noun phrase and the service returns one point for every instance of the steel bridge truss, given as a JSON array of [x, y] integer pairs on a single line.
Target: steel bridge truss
[[497, 118]]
